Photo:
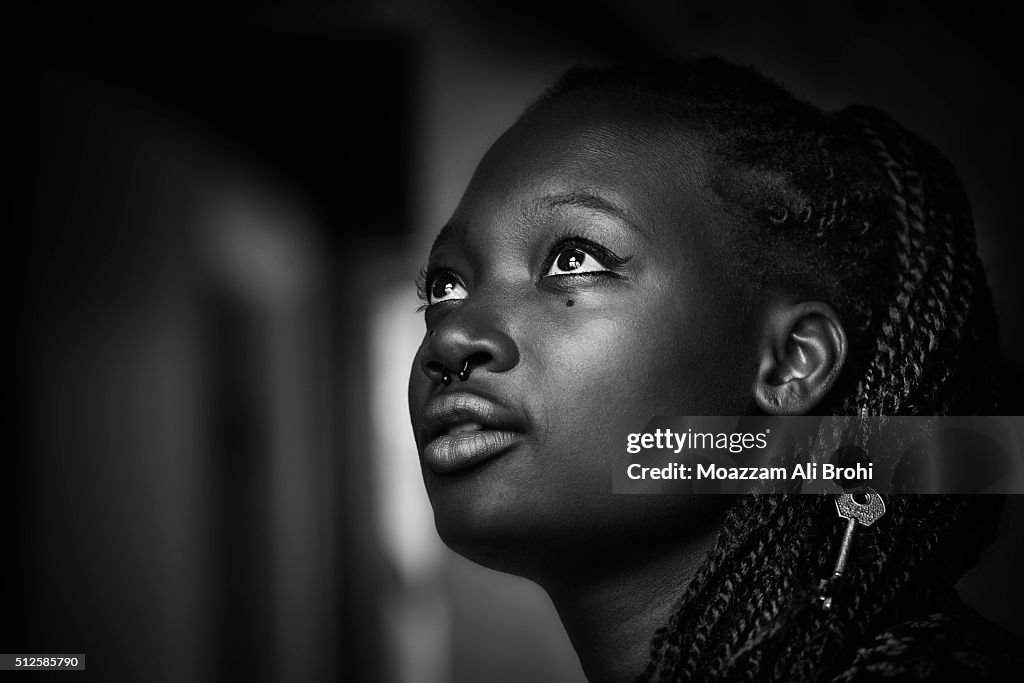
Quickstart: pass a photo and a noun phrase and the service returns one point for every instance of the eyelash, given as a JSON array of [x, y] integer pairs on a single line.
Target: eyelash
[[608, 259], [423, 279]]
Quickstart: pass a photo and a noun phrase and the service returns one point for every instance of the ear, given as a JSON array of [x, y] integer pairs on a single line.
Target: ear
[[802, 350]]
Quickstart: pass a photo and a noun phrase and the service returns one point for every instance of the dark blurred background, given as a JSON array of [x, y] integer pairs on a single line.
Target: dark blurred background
[[216, 218]]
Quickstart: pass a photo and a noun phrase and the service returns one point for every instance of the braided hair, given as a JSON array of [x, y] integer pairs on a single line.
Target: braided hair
[[849, 207]]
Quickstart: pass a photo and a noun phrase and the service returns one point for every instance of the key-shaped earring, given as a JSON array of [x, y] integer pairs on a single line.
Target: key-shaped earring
[[863, 507]]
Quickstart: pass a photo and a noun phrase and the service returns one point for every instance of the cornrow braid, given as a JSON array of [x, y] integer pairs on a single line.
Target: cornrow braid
[[856, 210]]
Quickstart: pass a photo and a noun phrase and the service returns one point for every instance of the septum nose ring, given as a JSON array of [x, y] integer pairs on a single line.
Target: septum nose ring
[[446, 379]]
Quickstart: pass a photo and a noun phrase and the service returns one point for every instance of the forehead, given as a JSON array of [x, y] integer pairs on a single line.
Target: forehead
[[585, 145]]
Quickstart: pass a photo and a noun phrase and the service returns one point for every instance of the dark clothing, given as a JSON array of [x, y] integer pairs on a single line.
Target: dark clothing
[[950, 644]]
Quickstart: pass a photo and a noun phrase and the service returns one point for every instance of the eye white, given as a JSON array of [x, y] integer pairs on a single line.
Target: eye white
[[445, 287], [574, 261]]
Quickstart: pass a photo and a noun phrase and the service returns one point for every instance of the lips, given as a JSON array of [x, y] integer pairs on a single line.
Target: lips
[[462, 429]]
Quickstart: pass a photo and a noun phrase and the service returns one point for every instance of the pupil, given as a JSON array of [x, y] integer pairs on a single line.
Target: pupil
[[442, 287], [571, 259]]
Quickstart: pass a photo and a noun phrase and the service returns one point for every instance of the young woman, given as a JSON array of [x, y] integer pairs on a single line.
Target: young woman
[[690, 239]]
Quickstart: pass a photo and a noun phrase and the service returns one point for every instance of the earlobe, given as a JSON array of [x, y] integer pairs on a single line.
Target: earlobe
[[802, 350]]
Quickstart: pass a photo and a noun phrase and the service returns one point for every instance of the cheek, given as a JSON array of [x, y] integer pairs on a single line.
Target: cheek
[[597, 354], [664, 358], [599, 375]]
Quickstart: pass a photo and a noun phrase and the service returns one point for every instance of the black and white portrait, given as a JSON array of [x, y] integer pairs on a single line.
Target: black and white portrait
[[330, 322]]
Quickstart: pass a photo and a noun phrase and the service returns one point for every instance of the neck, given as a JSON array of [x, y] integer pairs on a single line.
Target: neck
[[611, 616]]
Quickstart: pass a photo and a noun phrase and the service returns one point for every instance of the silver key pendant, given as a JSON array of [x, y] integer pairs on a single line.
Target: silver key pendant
[[864, 507]]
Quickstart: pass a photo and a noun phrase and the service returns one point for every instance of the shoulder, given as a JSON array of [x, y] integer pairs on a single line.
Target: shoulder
[[943, 645]]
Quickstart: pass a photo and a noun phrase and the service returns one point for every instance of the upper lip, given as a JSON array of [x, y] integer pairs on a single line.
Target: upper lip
[[448, 410]]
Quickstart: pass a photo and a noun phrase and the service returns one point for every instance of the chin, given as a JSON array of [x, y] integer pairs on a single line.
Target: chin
[[492, 540], [495, 524]]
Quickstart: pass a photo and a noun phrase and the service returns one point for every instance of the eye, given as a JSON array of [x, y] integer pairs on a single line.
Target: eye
[[444, 286], [573, 261]]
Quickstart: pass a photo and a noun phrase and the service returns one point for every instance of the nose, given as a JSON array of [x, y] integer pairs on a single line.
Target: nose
[[469, 338]]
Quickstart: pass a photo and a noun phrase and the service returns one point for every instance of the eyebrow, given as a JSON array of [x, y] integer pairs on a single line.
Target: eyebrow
[[454, 230], [588, 200], [451, 232]]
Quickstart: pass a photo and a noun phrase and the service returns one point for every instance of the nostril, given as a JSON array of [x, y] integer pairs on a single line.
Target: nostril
[[478, 359], [437, 372]]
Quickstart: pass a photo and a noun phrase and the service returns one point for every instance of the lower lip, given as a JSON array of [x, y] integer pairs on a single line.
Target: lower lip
[[453, 452]]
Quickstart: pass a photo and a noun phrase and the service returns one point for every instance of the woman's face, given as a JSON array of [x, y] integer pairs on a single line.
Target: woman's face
[[585, 277]]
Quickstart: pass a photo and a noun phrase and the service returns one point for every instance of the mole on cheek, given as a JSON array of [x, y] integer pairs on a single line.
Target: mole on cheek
[[569, 302]]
